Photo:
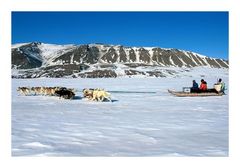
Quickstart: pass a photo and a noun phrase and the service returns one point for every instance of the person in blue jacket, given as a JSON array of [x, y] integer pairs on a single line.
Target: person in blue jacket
[[194, 87]]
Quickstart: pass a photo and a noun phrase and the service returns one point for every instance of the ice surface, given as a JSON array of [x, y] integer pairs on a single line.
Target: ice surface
[[134, 124]]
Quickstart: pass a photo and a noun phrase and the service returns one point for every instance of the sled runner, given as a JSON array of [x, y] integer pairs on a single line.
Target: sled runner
[[189, 94]]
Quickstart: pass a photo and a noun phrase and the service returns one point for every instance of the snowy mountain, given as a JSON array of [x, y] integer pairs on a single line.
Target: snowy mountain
[[31, 60]]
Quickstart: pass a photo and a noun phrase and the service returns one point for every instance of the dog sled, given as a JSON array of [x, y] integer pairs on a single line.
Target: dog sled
[[190, 94]]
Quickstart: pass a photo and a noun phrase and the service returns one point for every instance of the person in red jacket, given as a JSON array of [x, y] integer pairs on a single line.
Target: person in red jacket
[[203, 86]]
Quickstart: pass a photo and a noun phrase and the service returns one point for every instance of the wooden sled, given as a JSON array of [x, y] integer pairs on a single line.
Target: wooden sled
[[189, 94]]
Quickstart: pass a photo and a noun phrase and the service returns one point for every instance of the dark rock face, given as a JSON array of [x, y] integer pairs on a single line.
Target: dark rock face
[[156, 74], [132, 56], [99, 74], [162, 56], [201, 61], [26, 57], [111, 56], [188, 61], [122, 55], [144, 56], [135, 65], [82, 54], [176, 60], [195, 59], [65, 58], [213, 63], [77, 60], [225, 65], [134, 72]]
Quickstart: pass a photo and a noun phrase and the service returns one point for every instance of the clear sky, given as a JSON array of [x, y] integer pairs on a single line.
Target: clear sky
[[202, 32]]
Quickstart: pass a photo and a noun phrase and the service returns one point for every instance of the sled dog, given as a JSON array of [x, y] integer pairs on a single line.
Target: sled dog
[[96, 94]]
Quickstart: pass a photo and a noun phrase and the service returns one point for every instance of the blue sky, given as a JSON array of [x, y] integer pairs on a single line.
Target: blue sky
[[202, 32]]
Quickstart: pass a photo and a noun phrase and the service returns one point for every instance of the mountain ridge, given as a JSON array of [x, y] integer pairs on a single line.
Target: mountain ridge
[[104, 59]]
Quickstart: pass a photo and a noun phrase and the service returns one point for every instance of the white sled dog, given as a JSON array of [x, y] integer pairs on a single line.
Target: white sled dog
[[88, 93], [97, 94]]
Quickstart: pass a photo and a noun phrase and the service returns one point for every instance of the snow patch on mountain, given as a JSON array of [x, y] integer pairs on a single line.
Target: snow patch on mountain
[[18, 45], [52, 51]]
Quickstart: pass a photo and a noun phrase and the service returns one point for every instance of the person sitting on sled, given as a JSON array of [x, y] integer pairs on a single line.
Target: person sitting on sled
[[203, 86], [219, 86], [194, 87]]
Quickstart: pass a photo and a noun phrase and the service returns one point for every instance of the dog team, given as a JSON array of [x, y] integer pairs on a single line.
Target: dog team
[[66, 93], [44, 91]]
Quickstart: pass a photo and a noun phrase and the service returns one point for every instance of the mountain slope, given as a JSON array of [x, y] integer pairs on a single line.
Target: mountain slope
[[100, 60]]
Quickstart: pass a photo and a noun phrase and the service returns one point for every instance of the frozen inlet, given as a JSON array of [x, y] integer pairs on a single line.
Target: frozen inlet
[[137, 124]]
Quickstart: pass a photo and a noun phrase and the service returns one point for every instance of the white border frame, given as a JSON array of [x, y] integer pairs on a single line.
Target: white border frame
[[120, 5]]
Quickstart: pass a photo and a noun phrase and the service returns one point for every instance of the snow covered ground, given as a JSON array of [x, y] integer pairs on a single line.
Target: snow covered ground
[[134, 124]]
